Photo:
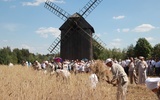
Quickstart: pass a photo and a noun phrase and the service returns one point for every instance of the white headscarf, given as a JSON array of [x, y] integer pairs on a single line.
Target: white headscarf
[[152, 83]]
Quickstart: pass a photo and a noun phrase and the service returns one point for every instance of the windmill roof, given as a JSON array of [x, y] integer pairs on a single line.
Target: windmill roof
[[75, 15], [80, 21]]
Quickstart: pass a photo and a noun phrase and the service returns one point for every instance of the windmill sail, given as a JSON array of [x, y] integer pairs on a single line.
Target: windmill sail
[[74, 24], [56, 10], [55, 46], [89, 7], [98, 42]]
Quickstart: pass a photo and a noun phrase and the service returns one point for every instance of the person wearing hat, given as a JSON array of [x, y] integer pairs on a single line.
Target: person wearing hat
[[120, 76], [153, 84], [132, 71], [142, 67]]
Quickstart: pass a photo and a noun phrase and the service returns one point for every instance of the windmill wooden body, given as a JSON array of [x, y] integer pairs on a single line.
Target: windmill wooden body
[[76, 39]]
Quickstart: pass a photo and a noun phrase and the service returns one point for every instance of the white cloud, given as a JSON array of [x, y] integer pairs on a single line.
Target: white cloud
[[136, 39], [38, 2], [7, 0], [41, 49], [118, 30], [118, 17], [144, 28], [25, 46], [31, 49], [149, 38], [34, 3], [45, 32], [117, 40], [125, 30], [116, 43], [5, 41], [10, 27]]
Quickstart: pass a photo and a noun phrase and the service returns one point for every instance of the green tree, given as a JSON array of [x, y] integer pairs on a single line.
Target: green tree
[[156, 50], [143, 48], [14, 58], [18, 54], [25, 54], [31, 58], [116, 53], [103, 54], [130, 51], [6, 55], [96, 50], [124, 53]]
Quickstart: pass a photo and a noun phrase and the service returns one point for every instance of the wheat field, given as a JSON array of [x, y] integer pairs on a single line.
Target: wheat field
[[22, 83]]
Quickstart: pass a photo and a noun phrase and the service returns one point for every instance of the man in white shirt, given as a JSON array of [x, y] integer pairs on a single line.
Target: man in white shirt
[[127, 66], [120, 76]]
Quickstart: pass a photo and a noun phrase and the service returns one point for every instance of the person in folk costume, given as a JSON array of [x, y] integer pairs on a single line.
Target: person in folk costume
[[127, 66], [142, 66], [120, 76], [132, 71], [93, 80]]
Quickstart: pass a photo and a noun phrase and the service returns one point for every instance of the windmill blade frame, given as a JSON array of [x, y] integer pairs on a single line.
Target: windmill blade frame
[[98, 42], [58, 40], [75, 24], [57, 10], [89, 7], [101, 45]]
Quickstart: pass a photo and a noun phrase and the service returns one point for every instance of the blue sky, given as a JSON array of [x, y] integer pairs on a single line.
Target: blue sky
[[118, 23]]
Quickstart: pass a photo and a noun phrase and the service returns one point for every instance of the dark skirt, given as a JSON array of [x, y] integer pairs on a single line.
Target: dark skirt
[[158, 94]]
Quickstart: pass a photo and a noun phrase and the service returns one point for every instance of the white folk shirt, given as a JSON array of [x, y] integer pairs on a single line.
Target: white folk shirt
[[131, 66], [93, 80], [118, 72], [142, 66]]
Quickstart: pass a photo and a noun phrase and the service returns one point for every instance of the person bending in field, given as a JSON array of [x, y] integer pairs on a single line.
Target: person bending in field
[[120, 76]]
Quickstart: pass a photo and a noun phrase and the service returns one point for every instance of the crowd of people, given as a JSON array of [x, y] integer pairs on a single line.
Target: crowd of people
[[138, 71], [75, 66], [128, 71]]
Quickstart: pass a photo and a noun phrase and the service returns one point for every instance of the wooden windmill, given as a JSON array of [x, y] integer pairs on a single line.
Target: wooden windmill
[[76, 38]]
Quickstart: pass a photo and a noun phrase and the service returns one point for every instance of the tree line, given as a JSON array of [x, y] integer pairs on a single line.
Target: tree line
[[142, 48], [17, 56]]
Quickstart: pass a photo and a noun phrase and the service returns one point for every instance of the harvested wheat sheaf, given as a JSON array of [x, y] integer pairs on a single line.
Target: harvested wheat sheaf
[[100, 69], [22, 83]]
